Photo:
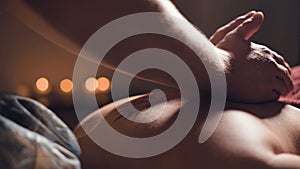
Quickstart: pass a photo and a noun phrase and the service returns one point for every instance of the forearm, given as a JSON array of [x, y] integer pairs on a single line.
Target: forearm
[[190, 45], [285, 161], [92, 20]]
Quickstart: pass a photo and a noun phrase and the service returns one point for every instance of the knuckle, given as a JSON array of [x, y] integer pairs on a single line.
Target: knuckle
[[212, 38], [286, 72], [259, 47], [281, 58], [287, 65], [240, 19], [272, 64], [266, 51], [222, 29], [275, 53], [283, 69]]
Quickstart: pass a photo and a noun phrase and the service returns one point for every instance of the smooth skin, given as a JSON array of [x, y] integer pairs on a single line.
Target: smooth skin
[[243, 62], [248, 136], [245, 138], [260, 136]]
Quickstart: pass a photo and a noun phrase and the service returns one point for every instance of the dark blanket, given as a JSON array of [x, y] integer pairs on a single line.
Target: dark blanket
[[33, 137]]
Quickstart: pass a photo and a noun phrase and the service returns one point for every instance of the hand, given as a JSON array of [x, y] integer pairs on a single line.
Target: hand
[[255, 73]]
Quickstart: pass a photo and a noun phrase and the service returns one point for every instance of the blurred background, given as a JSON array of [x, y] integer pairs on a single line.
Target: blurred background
[[34, 64]]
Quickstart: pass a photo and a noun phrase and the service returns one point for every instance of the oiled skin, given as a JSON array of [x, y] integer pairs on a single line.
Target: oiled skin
[[248, 136]]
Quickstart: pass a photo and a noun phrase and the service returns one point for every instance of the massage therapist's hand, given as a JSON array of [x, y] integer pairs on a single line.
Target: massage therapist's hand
[[255, 73]]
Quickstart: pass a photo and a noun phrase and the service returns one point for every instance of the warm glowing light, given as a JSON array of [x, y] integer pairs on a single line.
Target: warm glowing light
[[103, 84], [23, 90], [42, 84], [66, 85], [91, 84]]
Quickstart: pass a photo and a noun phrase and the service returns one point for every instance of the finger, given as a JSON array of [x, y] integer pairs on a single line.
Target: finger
[[279, 59], [280, 86], [275, 94], [288, 67], [221, 32], [285, 76], [249, 26]]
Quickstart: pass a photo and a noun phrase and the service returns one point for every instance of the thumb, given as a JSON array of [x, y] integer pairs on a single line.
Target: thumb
[[250, 26]]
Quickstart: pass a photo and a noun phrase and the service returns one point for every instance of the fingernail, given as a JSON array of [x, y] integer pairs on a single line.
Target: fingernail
[[256, 17], [259, 16]]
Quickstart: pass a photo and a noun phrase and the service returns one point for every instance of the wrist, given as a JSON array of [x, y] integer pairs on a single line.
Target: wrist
[[225, 57]]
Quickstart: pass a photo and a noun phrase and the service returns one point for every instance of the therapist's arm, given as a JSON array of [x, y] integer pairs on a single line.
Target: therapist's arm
[[235, 56], [254, 72]]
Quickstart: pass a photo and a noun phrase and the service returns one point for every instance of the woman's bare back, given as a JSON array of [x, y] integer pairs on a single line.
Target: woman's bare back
[[248, 136]]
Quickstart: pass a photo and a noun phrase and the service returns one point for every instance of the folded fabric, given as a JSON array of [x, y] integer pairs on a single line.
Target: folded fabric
[[33, 137], [293, 97]]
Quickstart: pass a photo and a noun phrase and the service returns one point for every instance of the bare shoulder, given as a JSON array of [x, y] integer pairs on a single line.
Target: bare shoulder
[[249, 136], [245, 131]]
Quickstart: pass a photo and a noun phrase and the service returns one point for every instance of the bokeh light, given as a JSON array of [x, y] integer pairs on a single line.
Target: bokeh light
[[66, 85], [103, 84], [91, 84], [23, 90], [42, 85]]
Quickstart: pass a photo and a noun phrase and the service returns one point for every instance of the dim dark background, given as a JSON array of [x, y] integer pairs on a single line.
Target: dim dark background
[[26, 55]]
